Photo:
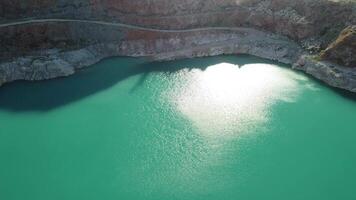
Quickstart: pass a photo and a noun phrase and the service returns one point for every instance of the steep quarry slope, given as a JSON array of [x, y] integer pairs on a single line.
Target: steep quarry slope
[[343, 50], [282, 30], [296, 19]]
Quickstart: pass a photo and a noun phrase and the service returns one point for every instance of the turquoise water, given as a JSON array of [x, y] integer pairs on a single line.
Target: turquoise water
[[228, 127]]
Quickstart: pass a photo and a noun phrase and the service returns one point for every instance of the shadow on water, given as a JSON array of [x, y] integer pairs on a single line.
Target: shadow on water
[[347, 94], [50, 94]]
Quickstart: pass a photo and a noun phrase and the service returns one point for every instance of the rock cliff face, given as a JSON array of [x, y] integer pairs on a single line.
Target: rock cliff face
[[78, 33], [343, 50]]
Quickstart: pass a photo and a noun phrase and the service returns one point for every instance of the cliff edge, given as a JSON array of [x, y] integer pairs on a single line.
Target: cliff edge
[[42, 39]]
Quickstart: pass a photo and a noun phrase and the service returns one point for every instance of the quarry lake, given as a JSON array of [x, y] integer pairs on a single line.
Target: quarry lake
[[226, 127]]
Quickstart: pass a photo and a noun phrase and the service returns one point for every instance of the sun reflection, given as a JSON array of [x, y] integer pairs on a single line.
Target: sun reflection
[[227, 99]]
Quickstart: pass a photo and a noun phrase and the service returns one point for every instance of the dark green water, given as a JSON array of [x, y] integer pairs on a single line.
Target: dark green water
[[214, 128]]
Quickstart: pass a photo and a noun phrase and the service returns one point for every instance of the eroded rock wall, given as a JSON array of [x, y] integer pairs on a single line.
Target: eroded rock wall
[[100, 41]]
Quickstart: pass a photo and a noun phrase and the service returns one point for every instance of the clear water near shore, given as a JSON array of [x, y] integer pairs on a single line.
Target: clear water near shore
[[227, 127]]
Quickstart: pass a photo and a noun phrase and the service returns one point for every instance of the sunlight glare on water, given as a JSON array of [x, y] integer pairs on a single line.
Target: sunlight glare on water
[[227, 98]]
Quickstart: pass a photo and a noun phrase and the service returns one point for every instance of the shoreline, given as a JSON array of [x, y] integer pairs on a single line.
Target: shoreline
[[163, 45]]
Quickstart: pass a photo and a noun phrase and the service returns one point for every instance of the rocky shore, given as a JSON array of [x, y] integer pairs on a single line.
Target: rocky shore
[[48, 39]]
